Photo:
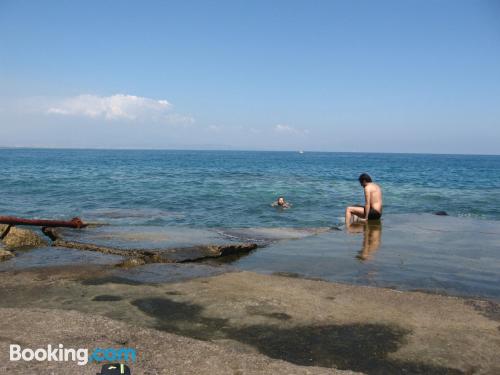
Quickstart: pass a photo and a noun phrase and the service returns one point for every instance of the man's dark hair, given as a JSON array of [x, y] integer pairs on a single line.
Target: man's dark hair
[[364, 177]]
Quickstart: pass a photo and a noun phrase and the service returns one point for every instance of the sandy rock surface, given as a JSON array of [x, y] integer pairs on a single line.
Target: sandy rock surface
[[257, 323], [157, 352]]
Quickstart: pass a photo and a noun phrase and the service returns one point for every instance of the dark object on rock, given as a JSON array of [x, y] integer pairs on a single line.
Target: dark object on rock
[[441, 213], [4, 230], [115, 369], [73, 223], [51, 233]]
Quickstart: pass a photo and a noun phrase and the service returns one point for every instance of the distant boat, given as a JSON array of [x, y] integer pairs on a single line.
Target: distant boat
[[301, 152]]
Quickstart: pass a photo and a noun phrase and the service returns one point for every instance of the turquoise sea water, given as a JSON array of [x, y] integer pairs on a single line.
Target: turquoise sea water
[[235, 189]]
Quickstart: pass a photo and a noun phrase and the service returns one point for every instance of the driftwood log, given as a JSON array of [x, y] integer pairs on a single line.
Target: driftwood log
[[73, 223]]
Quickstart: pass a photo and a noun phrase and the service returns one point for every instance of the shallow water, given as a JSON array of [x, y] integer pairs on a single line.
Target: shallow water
[[54, 257], [450, 255], [145, 237], [412, 252]]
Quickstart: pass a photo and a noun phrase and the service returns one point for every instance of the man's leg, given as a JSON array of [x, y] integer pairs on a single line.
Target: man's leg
[[353, 210]]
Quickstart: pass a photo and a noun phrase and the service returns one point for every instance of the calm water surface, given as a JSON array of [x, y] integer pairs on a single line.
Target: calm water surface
[[235, 189]]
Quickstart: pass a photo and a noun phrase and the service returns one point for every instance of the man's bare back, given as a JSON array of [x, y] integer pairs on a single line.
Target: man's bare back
[[372, 210], [373, 195]]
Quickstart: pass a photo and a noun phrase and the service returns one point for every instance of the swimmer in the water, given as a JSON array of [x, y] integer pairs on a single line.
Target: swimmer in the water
[[281, 203]]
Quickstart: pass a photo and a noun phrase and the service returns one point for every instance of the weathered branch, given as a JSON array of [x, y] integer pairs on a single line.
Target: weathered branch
[[73, 223]]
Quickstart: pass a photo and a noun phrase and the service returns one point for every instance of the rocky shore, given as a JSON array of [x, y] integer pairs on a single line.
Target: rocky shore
[[186, 317], [159, 352], [246, 323]]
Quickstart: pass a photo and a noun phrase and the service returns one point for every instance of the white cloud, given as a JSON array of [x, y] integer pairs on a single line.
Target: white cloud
[[117, 107], [215, 128], [287, 129]]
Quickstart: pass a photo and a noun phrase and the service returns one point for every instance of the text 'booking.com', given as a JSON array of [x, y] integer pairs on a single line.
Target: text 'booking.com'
[[81, 356]]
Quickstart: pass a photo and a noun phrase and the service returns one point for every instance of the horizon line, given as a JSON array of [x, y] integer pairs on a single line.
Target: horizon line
[[233, 150]]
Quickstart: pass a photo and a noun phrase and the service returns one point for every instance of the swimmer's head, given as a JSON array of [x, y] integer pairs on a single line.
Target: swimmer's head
[[281, 201]]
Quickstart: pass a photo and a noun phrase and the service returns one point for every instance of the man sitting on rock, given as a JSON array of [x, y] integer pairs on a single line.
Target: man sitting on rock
[[372, 210]]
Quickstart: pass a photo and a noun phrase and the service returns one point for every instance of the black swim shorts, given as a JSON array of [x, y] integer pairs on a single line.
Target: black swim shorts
[[374, 215]]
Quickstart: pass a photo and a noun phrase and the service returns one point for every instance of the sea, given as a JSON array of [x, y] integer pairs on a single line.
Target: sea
[[165, 198], [237, 188]]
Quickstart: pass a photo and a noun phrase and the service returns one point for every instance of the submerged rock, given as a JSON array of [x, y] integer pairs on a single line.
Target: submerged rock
[[441, 213], [18, 238], [131, 262], [5, 254]]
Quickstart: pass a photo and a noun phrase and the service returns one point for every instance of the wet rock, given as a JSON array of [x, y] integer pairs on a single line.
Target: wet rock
[[22, 238], [441, 213], [5, 254], [173, 255], [131, 262]]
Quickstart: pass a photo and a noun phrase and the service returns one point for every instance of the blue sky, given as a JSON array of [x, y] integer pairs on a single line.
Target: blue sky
[[376, 76]]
